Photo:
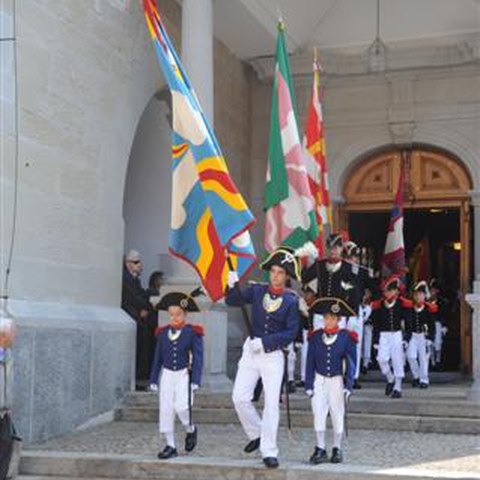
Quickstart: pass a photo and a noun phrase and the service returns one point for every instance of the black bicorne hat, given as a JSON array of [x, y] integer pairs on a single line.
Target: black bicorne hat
[[178, 299], [285, 258], [332, 305], [422, 287], [335, 240], [352, 249]]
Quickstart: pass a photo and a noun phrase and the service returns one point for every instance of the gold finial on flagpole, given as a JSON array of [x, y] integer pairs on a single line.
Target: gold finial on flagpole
[[281, 24]]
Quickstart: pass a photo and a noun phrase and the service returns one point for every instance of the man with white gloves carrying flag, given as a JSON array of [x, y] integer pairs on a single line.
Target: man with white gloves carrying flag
[[275, 320]]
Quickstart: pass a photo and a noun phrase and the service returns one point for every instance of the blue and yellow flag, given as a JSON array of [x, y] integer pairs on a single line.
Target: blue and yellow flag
[[210, 219]]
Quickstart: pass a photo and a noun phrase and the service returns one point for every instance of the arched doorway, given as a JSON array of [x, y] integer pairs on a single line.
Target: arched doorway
[[437, 215]]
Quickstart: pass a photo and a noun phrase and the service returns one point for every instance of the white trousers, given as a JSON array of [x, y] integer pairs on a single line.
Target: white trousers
[[328, 398], [292, 357], [173, 399], [318, 322], [303, 362], [269, 367], [367, 344], [438, 342], [390, 348], [355, 324], [418, 357]]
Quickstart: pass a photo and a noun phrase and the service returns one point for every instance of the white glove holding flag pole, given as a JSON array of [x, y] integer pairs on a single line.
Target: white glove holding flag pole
[[232, 279], [256, 345]]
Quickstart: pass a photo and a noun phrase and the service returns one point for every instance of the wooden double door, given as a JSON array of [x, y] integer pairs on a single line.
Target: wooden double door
[[437, 212]]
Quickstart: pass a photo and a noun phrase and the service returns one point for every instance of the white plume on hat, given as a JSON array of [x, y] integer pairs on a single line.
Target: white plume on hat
[[307, 250]]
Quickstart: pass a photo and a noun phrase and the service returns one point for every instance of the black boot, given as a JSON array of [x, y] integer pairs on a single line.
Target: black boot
[[319, 455], [168, 452], [301, 384], [191, 440], [291, 387], [252, 445], [363, 370], [389, 389], [423, 385], [415, 382], [396, 394], [356, 385], [337, 456], [270, 462]]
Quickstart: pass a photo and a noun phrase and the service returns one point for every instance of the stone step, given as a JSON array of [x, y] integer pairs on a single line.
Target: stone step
[[59, 466], [370, 421], [414, 402]]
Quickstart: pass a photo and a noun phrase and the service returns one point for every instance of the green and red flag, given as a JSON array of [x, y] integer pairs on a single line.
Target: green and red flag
[[290, 218]]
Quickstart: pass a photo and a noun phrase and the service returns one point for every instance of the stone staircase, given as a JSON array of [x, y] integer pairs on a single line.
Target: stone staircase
[[387, 438]]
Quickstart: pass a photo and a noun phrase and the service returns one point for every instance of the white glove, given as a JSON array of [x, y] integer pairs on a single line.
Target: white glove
[[153, 387], [429, 343], [309, 393], [195, 387], [375, 347], [302, 306], [347, 394], [404, 344], [232, 279], [256, 345]]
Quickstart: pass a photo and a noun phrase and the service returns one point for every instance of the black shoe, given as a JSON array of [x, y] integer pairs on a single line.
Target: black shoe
[[291, 387], [270, 462], [423, 385], [396, 394], [319, 455], [364, 370], [252, 445], [389, 389], [337, 456], [301, 384], [356, 385], [415, 383], [191, 440], [168, 452]]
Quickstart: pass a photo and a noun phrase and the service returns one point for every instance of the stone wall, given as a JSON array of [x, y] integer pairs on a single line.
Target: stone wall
[[86, 72], [434, 106]]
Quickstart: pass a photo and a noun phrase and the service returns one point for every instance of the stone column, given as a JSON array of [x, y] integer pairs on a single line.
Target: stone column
[[197, 58], [475, 202], [197, 50], [474, 300]]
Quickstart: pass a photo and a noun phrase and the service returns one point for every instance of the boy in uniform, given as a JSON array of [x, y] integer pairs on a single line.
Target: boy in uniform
[[179, 351]]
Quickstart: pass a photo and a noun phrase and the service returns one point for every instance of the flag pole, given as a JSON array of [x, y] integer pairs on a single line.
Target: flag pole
[[243, 307]]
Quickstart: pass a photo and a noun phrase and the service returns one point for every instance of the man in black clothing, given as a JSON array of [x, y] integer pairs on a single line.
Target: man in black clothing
[[135, 303], [335, 277]]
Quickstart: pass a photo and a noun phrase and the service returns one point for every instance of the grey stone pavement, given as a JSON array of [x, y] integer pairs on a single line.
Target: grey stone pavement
[[378, 450]]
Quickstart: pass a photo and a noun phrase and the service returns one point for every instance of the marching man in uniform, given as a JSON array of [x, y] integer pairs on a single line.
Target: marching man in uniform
[[363, 282], [390, 315], [422, 334], [331, 364], [179, 347], [275, 320], [335, 277]]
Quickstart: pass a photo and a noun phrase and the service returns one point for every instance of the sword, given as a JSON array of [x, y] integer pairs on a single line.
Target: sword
[[287, 396], [190, 422], [346, 415]]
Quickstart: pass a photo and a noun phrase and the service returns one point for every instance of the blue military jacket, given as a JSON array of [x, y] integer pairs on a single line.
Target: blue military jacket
[[326, 354], [275, 316], [173, 351]]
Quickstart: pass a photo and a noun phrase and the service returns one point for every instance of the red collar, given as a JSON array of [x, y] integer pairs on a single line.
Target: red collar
[[276, 291], [333, 261], [331, 331]]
